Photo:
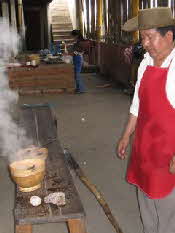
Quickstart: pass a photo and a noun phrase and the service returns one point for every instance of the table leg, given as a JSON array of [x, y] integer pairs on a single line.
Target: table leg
[[23, 229], [77, 226]]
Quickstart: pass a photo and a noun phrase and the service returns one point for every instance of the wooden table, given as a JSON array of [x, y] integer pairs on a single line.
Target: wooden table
[[40, 124]]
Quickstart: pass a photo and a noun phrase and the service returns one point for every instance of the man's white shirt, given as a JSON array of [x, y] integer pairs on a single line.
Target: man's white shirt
[[170, 84]]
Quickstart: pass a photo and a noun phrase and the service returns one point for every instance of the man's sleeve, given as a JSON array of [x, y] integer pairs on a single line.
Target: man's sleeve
[[134, 109]]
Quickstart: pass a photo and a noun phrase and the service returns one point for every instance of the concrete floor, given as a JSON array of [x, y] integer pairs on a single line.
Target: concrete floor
[[89, 125]]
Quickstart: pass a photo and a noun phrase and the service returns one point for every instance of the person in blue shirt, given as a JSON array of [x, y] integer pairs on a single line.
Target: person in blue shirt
[[78, 52]]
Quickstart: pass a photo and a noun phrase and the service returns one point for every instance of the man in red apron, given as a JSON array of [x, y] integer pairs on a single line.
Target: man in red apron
[[152, 120]]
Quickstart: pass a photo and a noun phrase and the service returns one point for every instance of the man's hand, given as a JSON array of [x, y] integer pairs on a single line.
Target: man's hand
[[124, 141], [122, 146], [172, 165]]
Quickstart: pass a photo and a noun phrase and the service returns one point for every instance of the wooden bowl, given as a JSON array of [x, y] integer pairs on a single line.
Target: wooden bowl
[[28, 173]]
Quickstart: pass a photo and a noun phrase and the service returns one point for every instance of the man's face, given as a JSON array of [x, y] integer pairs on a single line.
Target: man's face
[[156, 44]]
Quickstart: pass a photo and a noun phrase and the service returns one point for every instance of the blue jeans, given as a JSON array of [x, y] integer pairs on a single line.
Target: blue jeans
[[78, 62]]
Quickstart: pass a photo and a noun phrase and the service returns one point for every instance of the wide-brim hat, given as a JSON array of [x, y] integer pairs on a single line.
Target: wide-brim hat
[[150, 18]]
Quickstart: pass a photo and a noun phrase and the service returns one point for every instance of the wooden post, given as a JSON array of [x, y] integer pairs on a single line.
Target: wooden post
[[117, 25], [162, 3], [87, 12], [23, 229], [135, 9], [110, 36], [80, 16], [46, 27], [20, 14], [172, 6], [99, 19], [145, 4], [42, 22], [21, 24], [105, 18], [77, 226], [93, 18], [13, 14], [5, 10], [149, 3]]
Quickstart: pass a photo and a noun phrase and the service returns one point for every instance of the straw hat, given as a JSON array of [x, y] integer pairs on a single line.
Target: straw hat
[[150, 18]]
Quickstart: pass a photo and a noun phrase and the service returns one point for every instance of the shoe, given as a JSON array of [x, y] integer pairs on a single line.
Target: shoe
[[79, 92]]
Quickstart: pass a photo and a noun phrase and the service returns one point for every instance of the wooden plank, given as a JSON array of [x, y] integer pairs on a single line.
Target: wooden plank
[[23, 229], [77, 226], [57, 176]]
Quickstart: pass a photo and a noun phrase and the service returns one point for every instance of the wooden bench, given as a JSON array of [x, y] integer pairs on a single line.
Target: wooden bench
[[40, 125]]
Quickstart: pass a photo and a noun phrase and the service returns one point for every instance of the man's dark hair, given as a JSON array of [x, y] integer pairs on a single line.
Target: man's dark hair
[[78, 34], [164, 30]]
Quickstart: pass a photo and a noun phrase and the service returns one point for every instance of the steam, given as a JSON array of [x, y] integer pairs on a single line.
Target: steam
[[12, 138]]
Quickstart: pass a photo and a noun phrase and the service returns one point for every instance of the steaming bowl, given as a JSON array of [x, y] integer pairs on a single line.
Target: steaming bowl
[[28, 173]]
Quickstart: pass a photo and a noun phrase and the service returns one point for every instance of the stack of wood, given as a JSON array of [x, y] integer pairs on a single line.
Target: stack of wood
[[45, 79]]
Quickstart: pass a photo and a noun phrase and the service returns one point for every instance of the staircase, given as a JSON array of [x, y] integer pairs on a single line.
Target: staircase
[[61, 22]]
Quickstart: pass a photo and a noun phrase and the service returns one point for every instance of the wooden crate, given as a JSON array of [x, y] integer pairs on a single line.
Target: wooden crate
[[59, 76]]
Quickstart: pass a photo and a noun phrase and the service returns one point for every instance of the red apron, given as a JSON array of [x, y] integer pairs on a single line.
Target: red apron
[[154, 142]]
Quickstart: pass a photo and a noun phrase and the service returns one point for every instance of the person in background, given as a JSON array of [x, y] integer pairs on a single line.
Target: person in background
[[152, 121], [78, 61]]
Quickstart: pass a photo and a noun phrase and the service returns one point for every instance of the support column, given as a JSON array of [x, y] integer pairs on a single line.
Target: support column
[[87, 12], [145, 4], [20, 14], [135, 9], [80, 16], [117, 21], [99, 19], [5, 10], [21, 23], [13, 14], [162, 3], [93, 18], [42, 16], [105, 18]]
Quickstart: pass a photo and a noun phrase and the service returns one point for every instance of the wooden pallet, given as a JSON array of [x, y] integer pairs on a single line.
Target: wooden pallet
[[40, 125]]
